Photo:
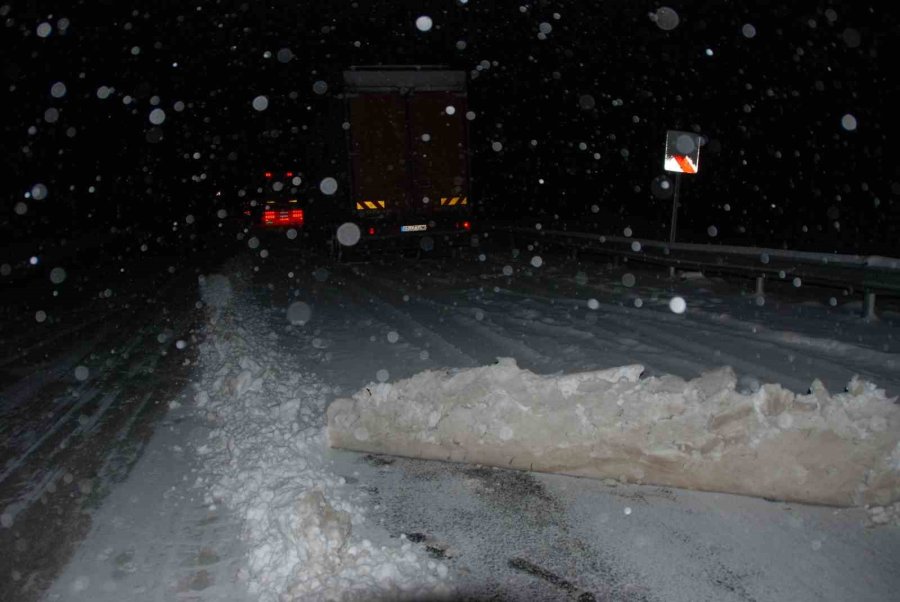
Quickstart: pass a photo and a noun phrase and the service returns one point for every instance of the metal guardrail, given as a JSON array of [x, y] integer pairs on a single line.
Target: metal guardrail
[[868, 274]]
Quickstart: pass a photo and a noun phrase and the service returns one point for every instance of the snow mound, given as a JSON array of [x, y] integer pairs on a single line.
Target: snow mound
[[884, 515], [703, 434], [265, 460]]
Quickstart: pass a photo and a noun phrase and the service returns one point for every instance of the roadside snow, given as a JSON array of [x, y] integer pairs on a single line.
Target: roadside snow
[[702, 434], [265, 459]]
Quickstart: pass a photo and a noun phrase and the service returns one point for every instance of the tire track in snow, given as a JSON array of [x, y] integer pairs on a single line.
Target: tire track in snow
[[509, 346], [857, 357], [613, 347], [453, 355], [90, 408], [500, 334], [64, 333], [426, 309], [15, 463], [655, 324], [684, 337], [21, 392], [342, 346]]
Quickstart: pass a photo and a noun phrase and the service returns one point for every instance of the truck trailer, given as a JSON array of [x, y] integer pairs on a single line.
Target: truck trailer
[[408, 144]]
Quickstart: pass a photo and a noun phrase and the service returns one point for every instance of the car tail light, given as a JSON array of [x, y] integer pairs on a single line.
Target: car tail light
[[289, 174], [268, 174], [371, 231], [467, 225], [291, 217]]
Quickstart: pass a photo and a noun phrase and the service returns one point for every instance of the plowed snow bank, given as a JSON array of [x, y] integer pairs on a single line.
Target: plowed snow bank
[[702, 434], [265, 459]]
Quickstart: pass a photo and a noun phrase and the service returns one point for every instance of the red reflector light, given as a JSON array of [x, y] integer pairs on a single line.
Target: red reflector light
[[371, 231], [467, 226]]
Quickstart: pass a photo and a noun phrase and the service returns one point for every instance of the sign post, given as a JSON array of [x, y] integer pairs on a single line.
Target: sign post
[[682, 156], [675, 207]]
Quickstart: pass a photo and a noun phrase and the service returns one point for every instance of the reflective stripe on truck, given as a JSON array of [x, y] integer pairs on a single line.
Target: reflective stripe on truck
[[367, 205]]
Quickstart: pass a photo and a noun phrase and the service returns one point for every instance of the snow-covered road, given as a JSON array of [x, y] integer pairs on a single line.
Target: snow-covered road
[[211, 508], [80, 393]]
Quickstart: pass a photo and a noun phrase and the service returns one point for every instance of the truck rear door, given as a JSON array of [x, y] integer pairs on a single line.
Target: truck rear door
[[439, 159], [378, 152]]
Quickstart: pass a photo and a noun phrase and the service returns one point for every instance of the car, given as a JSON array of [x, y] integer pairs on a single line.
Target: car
[[276, 201]]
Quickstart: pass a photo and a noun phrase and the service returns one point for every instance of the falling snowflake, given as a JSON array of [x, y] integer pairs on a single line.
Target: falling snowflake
[[678, 305], [261, 103], [424, 23]]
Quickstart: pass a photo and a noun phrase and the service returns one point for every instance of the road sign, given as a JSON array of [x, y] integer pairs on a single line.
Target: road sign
[[682, 156], [682, 152]]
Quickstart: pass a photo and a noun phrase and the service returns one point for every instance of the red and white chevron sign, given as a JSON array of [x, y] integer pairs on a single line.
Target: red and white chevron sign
[[682, 152]]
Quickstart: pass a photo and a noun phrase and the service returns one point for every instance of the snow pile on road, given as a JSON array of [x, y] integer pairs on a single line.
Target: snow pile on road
[[265, 460], [884, 515], [699, 434]]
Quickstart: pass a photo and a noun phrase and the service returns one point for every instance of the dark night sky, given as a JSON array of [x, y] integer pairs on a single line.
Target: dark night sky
[[779, 168]]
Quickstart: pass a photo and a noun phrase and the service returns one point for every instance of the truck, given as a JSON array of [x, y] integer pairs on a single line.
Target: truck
[[409, 160]]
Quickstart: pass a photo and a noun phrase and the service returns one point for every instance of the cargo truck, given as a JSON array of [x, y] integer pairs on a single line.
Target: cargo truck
[[408, 145]]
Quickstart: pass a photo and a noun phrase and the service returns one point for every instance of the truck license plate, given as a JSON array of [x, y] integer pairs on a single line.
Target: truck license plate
[[414, 228]]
